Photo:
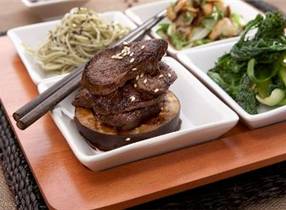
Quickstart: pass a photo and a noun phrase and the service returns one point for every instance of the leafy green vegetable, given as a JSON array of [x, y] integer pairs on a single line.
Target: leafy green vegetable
[[245, 96], [282, 75], [254, 70], [163, 28], [217, 14], [178, 40], [228, 73], [265, 72], [269, 38], [263, 89]]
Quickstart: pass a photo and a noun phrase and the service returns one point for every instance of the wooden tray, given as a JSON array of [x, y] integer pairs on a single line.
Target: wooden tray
[[66, 184]]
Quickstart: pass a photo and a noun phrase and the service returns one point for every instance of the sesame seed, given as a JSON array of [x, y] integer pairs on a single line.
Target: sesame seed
[[145, 81], [141, 75], [134, 69], [116, 57], [169, 75], [162, 108], [131, 54], [142, 47], [132, 98], [137, 77], [128, 139], [132, 60], [135, 85], [161, 75], [156, 90], [125, 43]]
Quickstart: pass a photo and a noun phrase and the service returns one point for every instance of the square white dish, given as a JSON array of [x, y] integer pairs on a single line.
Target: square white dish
[[33, 35], [142, 12], [46, 9], [200, 60], [204, 117], [29, 3]]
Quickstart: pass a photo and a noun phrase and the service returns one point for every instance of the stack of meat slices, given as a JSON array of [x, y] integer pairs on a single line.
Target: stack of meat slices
[[124, 96]]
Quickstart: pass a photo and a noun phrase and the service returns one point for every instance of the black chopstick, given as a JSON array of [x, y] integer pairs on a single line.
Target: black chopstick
[[49, 103], [21, 112], [263, 6], [35, 109]]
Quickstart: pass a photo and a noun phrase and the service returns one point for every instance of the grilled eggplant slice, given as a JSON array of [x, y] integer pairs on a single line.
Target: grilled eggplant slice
[[106, 138]]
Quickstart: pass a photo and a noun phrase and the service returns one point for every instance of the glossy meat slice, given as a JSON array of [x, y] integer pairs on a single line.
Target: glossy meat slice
[[142, 92], [129, 120], [83, 99], [156, 84], [124, 99], [112, 68]]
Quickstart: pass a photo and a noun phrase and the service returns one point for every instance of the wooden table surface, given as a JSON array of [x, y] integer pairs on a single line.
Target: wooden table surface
[[66, 184]]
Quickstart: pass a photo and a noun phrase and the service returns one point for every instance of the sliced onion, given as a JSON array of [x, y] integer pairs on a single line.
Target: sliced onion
[[199, 33]]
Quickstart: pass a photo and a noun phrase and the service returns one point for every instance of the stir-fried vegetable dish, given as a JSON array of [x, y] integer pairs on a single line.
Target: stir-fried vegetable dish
[[196, 22]]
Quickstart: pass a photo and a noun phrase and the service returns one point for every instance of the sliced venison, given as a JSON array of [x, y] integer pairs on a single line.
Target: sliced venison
[[129, 120], [159, 83], [112, 68]]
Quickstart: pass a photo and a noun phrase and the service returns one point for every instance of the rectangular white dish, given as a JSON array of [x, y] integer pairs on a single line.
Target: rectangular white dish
[[47, 9], [200, 60], [204, 117], [142, 12], [33, 35]]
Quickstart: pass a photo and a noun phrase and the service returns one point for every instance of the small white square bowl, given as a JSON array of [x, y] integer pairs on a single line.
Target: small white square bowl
[[33, 35], [145, 11], [52, 8], [201, 60], [204, 117]]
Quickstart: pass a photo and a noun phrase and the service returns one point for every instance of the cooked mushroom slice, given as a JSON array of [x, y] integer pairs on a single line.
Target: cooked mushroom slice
[[207, 9], [219, 4], [171, 13], [180, 4], [224, 27]]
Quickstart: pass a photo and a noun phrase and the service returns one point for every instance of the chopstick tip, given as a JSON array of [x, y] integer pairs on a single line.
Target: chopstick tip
[[16, 116], [21, 125]]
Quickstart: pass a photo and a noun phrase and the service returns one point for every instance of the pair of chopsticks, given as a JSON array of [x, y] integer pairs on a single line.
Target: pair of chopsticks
[[33, 110]]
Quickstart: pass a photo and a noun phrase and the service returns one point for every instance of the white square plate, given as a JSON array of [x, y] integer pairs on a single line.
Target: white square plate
[[34, 35], [200, 60], [204, 117], [51, 9], [29, 3], [142, 12]]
